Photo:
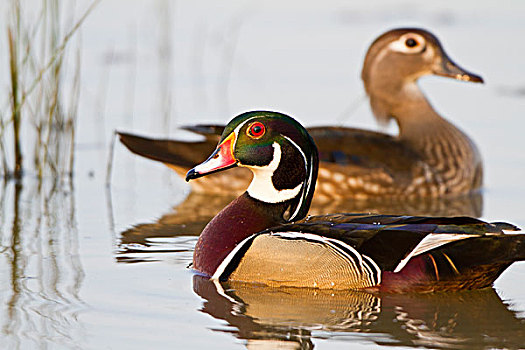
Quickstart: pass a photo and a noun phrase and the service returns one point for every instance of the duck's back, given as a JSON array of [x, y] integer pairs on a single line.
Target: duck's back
[[369, 164]]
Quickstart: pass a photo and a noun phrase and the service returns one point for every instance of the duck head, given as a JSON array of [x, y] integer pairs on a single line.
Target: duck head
[[399, 57], [280, 153]]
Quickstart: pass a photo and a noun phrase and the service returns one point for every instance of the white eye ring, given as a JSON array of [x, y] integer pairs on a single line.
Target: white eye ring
[[400, 45]]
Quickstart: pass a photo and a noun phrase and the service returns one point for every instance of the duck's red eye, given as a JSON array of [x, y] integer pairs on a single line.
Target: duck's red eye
[[256, 130]]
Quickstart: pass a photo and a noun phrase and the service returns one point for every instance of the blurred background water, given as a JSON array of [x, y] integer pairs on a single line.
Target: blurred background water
[[87, 266]]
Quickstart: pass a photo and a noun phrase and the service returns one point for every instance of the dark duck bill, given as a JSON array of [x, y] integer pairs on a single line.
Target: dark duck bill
[[448, 68], [263, 236]]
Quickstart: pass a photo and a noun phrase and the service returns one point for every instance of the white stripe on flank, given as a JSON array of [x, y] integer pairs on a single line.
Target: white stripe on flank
[[217, 274], [430, 242], [375, 267], [363, 266]]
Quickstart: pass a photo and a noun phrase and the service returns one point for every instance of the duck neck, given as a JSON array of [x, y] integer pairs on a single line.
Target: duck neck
[[439, 143], [406, 103], [239, 220]]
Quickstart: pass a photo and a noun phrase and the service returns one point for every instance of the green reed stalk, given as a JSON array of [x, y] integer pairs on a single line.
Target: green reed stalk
[[36, 89], [15, 117]]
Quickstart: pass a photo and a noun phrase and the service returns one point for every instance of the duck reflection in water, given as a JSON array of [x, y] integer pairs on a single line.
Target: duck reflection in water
[[293, 318]]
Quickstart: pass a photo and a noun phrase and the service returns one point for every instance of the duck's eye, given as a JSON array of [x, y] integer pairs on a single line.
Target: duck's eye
[[256, 130], [411, 42]]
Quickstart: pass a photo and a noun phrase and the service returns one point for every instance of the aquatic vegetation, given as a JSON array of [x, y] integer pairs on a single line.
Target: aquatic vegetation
[[44, 86]]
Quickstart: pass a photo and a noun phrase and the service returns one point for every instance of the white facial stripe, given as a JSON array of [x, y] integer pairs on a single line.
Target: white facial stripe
[[308, 180], [262, 188], [299, 149], [400, 44], [236, 130]]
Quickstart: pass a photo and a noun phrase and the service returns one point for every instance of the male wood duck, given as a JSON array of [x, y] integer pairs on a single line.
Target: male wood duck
[[430, 157], [264, 236]]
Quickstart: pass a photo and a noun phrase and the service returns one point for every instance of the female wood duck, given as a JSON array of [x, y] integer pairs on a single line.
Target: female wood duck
[[263, 235], [429, 157]]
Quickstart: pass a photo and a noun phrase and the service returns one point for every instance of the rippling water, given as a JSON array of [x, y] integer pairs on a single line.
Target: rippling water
[[85, 266]]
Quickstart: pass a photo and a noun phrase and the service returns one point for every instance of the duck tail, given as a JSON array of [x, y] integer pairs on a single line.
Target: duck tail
[[520, 247], [466, 264], [206, 130], [179, 155]]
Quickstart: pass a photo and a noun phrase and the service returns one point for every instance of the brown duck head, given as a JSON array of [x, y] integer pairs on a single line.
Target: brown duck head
[[396, 60]]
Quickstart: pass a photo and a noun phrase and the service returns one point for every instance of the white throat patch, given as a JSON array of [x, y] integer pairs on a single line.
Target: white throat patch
[[262, 188]]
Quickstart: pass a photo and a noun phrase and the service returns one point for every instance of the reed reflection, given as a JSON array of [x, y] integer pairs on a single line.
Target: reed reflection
[[295, 317], [43, 274]]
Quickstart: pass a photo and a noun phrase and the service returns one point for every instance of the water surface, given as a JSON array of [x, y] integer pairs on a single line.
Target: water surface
[[85, 266]]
